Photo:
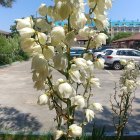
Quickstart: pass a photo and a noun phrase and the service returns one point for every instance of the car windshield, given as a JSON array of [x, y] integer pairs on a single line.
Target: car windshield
[[102, 48], [108, 52]]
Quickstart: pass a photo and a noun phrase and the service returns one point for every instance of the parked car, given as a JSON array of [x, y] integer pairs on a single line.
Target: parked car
[[78, 51], [99, 54], [100, 51], [113, 56]]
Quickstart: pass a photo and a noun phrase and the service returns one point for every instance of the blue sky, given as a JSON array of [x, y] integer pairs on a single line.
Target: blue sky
[[122, 9]]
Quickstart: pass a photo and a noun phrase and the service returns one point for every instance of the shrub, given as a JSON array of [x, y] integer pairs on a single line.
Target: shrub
[[10, 50]]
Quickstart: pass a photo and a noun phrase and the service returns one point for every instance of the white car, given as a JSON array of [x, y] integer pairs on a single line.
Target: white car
[[113, 56], [99, 54]]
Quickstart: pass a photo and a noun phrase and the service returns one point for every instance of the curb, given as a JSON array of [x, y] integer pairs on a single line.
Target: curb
[[12, 64]]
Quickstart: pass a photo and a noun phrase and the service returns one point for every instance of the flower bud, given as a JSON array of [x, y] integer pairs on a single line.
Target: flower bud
[[43, 99], [123, 62]]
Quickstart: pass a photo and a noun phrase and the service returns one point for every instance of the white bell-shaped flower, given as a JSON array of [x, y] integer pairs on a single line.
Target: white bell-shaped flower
[[101, 22], [80, 62], [75, 130], [27, 43], [58, 134], [75, 74], [95, 82], [48, 52], [78, 101], [108, 4], [57, 35], [99, 63], [60, 61], [78, 20], [101, 38], [130, 66], [97, 106], [25, 22], [62, 6], [40, 64], [130, 84], [66, 90], [26, 32], [42, 38], [30, 46], [42, 9], [89, 115], [43, 99], [87, 32]]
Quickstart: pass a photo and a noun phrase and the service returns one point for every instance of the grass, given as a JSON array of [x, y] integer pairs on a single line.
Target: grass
[[25, 137], [49, 137]]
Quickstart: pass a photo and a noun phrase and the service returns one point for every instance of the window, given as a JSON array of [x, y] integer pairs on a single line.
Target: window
[[121, 52], [122, 29], [136, 29], [108, 52], [133, 53]]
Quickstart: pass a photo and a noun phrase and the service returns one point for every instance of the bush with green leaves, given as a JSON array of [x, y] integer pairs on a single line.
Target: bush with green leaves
[[10, 50]]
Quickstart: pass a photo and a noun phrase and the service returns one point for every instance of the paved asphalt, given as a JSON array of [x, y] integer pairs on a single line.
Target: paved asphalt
[[18, 101]]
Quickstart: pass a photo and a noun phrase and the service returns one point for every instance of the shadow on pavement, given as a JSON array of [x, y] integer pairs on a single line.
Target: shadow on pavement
[[104, 119], [13, 120]]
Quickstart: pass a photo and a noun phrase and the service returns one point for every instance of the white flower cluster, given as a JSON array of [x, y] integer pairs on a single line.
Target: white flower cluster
[[49, 45], [100, 15], [128, 79]]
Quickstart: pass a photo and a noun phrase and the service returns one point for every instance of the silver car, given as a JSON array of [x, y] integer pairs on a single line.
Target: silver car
[[113, 56]]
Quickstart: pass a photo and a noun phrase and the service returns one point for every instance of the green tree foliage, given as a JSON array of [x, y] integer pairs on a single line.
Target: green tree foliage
[[13, 30], [10, 50], [6, 3], [121, 35]]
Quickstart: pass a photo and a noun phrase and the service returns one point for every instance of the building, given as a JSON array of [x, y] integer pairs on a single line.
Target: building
[[128, 42], [132, 26], [7, 34]]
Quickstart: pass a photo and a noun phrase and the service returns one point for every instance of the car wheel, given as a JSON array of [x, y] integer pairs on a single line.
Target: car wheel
[[117, 66]]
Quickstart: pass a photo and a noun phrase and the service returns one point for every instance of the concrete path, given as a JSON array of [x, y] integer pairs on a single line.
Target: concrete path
[[18, 102]]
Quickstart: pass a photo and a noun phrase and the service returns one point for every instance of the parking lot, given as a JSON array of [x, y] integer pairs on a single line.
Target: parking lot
[[18, 101]]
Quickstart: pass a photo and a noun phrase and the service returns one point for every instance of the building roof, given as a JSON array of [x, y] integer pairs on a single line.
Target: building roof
[[80, 38], [126, 23], [134, 37], [4, 32]]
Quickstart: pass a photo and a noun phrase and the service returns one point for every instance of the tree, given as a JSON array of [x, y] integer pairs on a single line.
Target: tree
[[13, 29], [121, 35], [7, 3]]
